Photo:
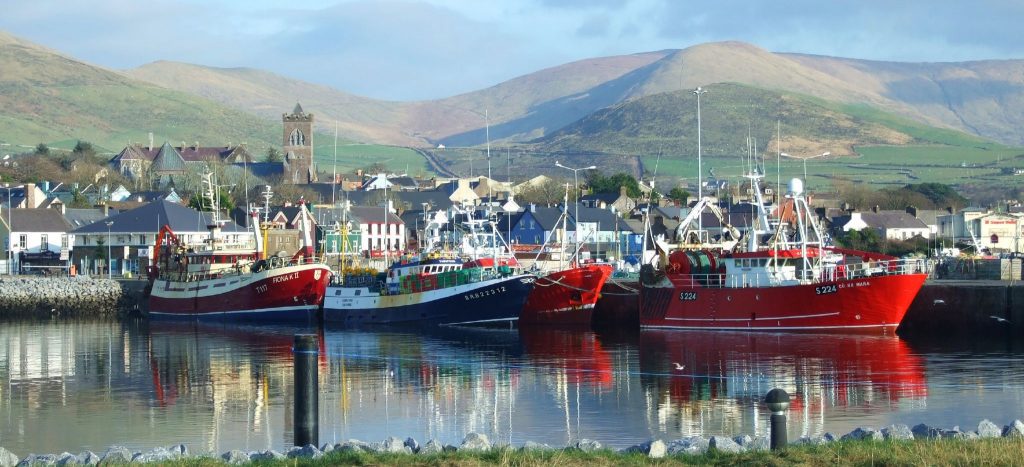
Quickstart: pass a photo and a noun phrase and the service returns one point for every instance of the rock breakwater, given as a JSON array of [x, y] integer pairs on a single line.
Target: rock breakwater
[[44, 297]]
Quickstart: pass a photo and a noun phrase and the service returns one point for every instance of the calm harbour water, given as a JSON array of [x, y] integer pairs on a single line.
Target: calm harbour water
[[71, 386]]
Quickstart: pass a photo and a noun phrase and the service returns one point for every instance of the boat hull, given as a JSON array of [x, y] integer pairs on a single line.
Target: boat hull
[[489, 302], [565, 297], [867, 304], [291, 293], [619, 304]]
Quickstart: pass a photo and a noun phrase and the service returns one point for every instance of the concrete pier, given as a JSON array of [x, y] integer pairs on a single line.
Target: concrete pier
[[961, 305]]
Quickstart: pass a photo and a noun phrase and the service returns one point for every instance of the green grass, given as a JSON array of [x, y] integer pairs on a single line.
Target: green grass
[[353, 156], [998, 451], [879, 166]]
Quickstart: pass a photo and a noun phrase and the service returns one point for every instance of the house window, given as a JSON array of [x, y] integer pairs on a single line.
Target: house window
[[44, 242], [64, 241], [297, 138], [23, 241]]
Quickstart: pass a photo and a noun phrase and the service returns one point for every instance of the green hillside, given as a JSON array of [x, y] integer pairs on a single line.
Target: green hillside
[[49, 98], [866, 144]]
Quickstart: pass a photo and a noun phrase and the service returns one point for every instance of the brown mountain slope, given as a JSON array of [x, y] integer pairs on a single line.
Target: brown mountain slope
[[402, 123], [985, 98], [269, 95]]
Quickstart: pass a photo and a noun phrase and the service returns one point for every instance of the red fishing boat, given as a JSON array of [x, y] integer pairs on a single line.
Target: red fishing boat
[[795, 282], [217, 279], [565, 297]]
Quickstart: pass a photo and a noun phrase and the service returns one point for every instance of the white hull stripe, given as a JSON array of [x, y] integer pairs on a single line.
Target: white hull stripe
[[499, 320], [236, 312], [820, 315]]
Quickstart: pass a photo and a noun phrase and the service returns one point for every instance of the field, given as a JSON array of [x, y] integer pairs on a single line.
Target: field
[[878, 166], [353, 156]]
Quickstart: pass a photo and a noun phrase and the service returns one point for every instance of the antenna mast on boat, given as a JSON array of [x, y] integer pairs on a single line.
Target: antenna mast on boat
[[267, 194], [334, 180]]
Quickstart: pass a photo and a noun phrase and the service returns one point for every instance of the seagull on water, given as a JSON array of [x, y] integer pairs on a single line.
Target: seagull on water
[[939, 301], [999, 319], [678, 366]]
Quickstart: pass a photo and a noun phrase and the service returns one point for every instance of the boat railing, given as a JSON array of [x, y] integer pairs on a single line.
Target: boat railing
[[826, 273]]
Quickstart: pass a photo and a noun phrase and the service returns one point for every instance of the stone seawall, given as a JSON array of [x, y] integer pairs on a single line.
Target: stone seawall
[[42, 297]]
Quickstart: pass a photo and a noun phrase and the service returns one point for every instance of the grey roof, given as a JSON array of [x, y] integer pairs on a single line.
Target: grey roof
[[887, 220], [931, 216], [298, 109], [35, 220], [150, 217], [605, 218], [373, 214], [264, 169], [80, 217], [168, 160], [403, 181]]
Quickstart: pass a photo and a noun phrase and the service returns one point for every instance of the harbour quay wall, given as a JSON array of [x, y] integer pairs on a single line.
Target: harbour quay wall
[[967, 305], [78, 297]]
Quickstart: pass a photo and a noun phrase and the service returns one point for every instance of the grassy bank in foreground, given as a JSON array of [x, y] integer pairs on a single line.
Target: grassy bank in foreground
[[996, 451]]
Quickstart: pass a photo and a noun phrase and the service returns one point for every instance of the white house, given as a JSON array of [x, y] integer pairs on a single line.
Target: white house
[[38, 239], [380, 232], [892, 225]]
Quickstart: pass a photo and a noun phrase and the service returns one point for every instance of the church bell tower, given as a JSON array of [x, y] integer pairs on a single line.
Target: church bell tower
[[298, 146]]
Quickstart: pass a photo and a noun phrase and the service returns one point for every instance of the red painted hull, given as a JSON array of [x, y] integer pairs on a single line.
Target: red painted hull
[[565, 297], [866, 304], [292, 293]]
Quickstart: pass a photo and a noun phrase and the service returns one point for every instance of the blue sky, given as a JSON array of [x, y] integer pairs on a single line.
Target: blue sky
[[423, 49]]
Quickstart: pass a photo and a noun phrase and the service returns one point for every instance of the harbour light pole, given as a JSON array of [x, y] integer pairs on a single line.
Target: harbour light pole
[[576, 187], [109, 258], [700, 168], [826, 153]]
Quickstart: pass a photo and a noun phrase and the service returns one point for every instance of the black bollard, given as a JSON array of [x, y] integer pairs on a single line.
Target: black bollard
[[307, 406], [777, 401]]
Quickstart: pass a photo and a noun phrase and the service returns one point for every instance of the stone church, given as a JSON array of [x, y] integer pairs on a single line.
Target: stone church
[[298, 147]]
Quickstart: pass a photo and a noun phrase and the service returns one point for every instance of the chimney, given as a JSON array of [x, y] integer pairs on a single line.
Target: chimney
[[151, 141], [533, 207], [106, 210], [195, 146], [622, 191], [30, 196], [912, 210], [875, 209], [845, 207], [949, 209]]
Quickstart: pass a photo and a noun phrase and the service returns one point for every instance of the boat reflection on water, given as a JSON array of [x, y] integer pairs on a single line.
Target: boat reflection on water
[[836, 382], [578, 354]]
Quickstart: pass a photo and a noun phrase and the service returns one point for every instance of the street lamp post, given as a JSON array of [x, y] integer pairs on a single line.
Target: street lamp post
[[109, 257], [700, 169], [826, 153], [10, 231], [576, 185]]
